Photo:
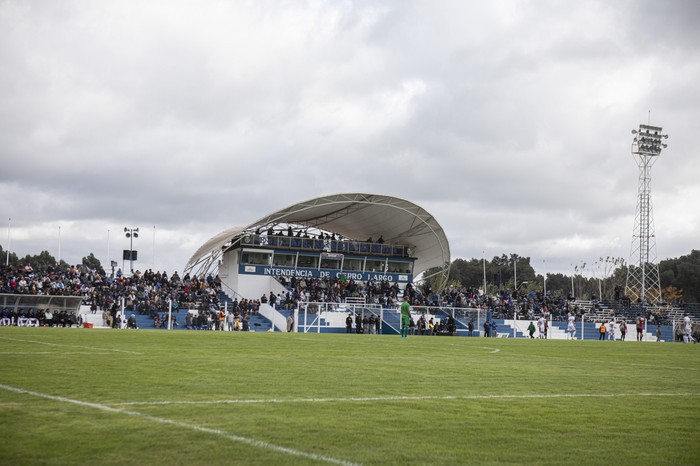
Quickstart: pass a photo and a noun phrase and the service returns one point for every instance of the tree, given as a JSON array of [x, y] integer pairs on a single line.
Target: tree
[[683, 273], [13, 260], [92, 262], [502, 271], [558, 284], [469, 274], [43, 261]]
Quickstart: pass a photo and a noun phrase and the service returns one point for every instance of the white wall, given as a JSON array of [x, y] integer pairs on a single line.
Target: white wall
[[248, 286]]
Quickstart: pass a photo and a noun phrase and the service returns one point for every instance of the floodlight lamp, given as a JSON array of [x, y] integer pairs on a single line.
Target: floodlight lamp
[[125, 229], [136, 235], [634, 131]]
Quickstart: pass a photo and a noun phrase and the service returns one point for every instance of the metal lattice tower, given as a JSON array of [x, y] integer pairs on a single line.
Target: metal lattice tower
[[643, 281]]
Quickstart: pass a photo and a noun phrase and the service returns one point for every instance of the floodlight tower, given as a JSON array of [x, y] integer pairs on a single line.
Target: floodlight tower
[[643, 283]]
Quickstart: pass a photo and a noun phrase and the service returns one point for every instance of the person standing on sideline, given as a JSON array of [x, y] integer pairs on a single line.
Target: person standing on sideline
[[571, 327], [542, 324], [405, 316], [623, 330], [687, 329], [640, 328], [611, 330], [531, 330], [603, 331]]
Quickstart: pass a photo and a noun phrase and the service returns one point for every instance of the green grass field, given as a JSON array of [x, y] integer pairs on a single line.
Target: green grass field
[[81, 396]]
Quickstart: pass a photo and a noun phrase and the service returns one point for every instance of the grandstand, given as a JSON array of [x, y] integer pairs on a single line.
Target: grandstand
[[309, 263], [324, 238]]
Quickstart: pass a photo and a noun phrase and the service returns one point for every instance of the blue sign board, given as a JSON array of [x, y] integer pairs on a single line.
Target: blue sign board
[[289, 272]]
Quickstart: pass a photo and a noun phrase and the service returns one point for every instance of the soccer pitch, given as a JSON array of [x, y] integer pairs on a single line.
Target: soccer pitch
[[82, 396]]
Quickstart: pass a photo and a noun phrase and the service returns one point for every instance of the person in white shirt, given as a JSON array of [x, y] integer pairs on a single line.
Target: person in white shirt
[[687, 330], [611, 330], [541, 326], [571, 327]]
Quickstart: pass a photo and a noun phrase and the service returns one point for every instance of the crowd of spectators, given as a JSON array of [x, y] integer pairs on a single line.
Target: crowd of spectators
[[337, 290], [387, 294], [141, 292], [149, 293]]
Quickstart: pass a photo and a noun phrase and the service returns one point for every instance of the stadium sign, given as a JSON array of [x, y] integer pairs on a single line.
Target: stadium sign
[[315, 273]]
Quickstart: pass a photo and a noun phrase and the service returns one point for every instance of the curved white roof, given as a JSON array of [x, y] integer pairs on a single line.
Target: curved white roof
[[353, 215]]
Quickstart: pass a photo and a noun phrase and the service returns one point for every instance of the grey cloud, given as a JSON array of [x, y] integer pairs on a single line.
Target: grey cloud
[[509, 122]]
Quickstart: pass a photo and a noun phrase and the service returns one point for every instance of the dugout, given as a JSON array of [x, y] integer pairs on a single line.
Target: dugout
[[55, 303], [22, 309]]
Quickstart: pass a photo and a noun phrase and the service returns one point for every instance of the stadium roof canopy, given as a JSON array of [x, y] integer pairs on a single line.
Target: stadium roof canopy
[[356, 216]]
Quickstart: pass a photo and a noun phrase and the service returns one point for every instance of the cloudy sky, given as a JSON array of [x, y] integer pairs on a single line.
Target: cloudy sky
[[509, 121]]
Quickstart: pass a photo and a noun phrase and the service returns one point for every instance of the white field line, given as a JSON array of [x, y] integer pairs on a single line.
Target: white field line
[[493, 350], [186, 425], [407, 398], [69, 346]]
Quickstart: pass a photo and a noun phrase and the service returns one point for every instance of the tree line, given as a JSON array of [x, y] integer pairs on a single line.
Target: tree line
[[680, 277], [45, 261]]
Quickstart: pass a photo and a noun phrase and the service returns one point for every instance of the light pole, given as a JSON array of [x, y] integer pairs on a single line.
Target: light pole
[[544, 276], [643, 282], [515, 308], [59, 245], [7, 257], [131, 233], [154, 247], [573, 272], [483, 259]]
